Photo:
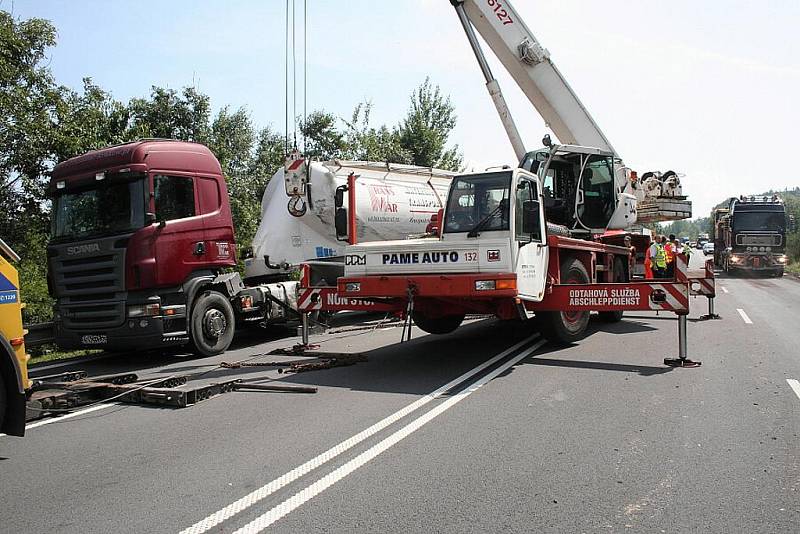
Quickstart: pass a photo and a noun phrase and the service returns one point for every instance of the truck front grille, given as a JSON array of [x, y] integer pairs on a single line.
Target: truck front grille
[[766, 240], [90, 288]]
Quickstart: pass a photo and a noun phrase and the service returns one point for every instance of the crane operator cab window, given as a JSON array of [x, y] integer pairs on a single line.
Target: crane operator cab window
[[596, 199], [577, 188], [478, 202]]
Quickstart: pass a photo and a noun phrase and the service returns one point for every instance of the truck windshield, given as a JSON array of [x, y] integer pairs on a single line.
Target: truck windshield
[[476, 196], [112, 206], [759, 221]]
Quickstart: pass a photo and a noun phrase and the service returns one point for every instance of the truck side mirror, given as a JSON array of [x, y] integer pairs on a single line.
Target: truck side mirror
[[338, 197], [340, 222], [150, 218], [531, 224]]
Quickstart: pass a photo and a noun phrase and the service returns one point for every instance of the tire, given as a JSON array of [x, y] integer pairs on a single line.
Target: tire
[[438, 325], [620, 277], [3, 399], [566, 327], [212, 324]]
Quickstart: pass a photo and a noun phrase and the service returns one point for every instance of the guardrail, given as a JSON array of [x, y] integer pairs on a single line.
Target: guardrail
[[39, 334]]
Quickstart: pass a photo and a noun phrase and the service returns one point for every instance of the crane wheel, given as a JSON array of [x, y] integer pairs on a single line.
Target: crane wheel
[[620, 277], [437, 325], [212, 324], [570, 326]]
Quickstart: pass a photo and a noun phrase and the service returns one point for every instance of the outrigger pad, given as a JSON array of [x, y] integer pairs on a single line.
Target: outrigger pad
[[678, 362], [708, 316]]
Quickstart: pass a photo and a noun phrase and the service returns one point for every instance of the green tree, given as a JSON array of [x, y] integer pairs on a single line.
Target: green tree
[[323, 140], [424, 132], [168, 114], [366, 143], [88, 121], [29, 103]]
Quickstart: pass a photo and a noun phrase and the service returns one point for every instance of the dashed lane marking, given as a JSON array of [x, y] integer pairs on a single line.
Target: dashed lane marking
[[305, 495], [745, 318], [724, 289], [264, 491], [795, 385]]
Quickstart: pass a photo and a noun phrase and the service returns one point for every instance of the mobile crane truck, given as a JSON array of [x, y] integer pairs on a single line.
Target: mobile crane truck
[[519, 243], [13, 359], [142, 248], [750, 235]]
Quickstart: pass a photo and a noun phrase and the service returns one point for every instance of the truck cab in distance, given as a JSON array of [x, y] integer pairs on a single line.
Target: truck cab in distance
[[750, 235]]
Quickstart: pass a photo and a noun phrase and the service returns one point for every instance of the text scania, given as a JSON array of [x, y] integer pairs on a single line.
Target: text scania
[[410, 258], [83, 249], [604, 297]]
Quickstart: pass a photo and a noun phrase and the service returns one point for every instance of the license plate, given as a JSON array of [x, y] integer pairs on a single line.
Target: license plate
[[94, 339]]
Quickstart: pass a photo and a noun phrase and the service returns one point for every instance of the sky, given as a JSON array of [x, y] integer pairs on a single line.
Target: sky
[[708, 89]]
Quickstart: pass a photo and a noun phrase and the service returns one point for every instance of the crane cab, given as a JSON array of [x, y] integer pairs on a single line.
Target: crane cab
[[581, 188]]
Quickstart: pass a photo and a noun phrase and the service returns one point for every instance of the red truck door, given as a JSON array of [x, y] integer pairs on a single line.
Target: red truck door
[[179, 238]]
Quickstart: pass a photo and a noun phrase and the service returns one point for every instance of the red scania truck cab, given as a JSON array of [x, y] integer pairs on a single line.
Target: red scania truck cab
[[140, 232]]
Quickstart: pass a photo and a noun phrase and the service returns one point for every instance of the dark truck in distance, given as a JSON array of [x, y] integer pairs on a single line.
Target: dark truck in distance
[[749, 235], [142, 251]]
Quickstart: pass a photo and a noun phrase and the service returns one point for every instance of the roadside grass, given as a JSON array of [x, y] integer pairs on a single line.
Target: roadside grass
[[794, 268], [49, 353]]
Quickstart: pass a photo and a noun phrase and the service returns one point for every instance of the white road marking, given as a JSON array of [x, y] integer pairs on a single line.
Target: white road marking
[[305, 495], [745, 318], [268, 489], [724, 289], [795, 385], [68, 416]]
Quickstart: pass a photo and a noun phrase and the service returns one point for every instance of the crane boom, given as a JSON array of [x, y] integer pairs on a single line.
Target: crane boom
[[659, 195], [530, 65]]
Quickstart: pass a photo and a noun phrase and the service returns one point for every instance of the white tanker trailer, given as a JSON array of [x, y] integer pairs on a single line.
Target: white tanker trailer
[[297, 225]]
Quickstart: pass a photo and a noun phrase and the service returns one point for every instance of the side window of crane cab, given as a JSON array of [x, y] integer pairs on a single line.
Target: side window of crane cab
[[526, 205], [174, 197]]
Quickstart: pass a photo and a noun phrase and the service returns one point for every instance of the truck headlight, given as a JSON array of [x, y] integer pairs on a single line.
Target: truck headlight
[[485, 285], [489, 285], [144, 310], [352, 287], [749, 249], [736, 259], [769, 249], [781, 259], [762, 249]]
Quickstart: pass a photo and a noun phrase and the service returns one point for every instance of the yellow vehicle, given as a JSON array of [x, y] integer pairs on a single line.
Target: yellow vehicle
[[13, 359]]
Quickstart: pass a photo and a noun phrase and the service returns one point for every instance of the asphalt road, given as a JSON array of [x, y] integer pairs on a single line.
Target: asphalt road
[[483, 430]]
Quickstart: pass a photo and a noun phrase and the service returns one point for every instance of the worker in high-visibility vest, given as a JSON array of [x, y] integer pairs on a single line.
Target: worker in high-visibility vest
[[670, 251], [687, 250], [658, 257]]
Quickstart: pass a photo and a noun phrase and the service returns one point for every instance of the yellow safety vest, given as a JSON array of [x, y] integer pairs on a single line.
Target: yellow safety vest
[[661, 257]]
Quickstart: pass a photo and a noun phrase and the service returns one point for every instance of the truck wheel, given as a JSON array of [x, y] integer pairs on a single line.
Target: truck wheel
[[620, 277], [3, 400], [566, 327], [438, 325], [212, 324]]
